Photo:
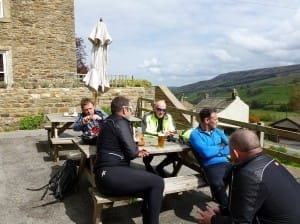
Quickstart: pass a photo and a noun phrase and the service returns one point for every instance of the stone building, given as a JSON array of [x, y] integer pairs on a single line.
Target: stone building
[[38, 62], [37, 43]]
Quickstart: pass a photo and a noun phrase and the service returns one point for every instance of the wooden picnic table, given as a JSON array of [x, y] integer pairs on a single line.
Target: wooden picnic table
[[88, 155], [173, 184], [59, 123]]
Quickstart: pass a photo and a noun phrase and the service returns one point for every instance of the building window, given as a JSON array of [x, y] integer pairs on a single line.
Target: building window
[[1, 9], [3, 79]]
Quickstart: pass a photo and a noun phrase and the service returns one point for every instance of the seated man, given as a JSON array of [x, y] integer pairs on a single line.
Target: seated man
[[154, 122], [210, 146], [89, 118], [113, 174], [261, 190]]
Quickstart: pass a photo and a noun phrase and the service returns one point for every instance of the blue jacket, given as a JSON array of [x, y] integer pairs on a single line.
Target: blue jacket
[[212, 148]]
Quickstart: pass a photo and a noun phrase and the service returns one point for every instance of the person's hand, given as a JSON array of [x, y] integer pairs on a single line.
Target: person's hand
[[205, 216], [95, 117], [169, 133], [89, 118], [143, 152], [86, 119]]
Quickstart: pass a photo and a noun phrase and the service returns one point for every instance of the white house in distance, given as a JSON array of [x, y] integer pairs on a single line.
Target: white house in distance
[[227, 107]]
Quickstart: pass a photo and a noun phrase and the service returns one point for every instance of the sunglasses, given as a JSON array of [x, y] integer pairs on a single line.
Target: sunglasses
[[160, 109]]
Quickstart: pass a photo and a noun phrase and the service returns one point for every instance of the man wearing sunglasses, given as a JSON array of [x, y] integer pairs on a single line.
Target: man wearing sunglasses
[[154, 122]]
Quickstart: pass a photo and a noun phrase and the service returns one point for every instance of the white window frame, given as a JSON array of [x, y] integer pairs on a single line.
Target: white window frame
[[4, 72], [1, 8]]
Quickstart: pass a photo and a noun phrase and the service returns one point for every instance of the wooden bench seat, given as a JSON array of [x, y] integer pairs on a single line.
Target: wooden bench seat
[[55, 143], [172, 185], [48, 129]]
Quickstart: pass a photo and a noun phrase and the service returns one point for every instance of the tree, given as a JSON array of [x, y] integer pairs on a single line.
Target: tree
[[81, 56]]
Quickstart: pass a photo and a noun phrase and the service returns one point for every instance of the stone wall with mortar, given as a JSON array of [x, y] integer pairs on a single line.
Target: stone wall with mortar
[[40, 38], [18, 103]]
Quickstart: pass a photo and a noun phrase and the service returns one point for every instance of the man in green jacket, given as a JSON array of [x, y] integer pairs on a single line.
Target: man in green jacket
[[153, 123]]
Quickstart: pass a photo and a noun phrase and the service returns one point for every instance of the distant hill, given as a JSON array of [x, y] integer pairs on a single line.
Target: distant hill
[[266, 85]]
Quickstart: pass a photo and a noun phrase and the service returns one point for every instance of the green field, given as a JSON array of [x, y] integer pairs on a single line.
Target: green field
[[271, 116]]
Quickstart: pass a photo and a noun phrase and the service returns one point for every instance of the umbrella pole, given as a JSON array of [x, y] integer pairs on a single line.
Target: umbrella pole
[[95, 97]]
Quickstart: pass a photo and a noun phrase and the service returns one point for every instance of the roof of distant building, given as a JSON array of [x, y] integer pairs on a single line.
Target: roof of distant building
[[293, 119], [219, 103]]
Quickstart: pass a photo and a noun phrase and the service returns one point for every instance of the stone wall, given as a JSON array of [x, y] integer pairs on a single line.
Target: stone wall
[[18, 103], [40, 38]]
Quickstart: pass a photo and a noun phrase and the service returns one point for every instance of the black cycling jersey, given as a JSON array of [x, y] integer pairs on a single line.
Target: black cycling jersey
[[113, 174], [262, 191]]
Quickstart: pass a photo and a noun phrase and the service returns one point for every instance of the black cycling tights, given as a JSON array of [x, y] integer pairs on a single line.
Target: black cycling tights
[[124, 181]]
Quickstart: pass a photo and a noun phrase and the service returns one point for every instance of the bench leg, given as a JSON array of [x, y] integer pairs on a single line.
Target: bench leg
[[176, 167], [49, 134], [97, 216], [54, 153]]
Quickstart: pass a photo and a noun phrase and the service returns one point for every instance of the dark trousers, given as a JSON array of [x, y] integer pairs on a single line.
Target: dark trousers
[[124, 181], [171, 158], [217, 176]]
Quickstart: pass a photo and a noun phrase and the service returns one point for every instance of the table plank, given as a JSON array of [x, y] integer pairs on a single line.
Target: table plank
[[150, 146], [60, 118]]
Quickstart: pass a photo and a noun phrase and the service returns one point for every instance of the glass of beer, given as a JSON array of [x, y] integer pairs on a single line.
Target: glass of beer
[[161, 140]]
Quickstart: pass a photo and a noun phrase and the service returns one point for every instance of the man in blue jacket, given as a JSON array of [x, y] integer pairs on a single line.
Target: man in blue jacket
[[210, 146]]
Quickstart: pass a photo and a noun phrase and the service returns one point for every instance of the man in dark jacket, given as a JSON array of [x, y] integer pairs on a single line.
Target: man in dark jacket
[[89, 117], [113, 174], [261, 190]]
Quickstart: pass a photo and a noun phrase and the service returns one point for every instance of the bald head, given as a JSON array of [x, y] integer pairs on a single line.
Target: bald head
[[244, 140]]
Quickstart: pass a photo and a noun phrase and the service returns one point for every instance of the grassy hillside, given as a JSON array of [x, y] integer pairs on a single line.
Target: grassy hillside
[[266, 91], [272, 89]]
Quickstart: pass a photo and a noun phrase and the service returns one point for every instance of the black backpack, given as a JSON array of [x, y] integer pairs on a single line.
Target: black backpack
[[63, 182]]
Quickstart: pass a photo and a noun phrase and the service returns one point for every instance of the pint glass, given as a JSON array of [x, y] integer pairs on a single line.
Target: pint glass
[[161, 140]]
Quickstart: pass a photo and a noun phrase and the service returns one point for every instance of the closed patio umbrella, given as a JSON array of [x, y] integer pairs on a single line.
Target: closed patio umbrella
[[97, 75]]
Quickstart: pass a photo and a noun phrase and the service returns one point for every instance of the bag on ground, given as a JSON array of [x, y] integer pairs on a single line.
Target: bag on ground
[[63, 182]]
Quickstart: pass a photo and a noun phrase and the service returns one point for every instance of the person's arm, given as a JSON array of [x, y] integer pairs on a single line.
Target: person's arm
[[224, 150], [129, 147], [78, 124], [247, 196], [171, 129], [202, 147]]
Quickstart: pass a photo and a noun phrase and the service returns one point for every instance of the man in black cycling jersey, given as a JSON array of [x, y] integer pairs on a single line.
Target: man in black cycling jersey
[[261, 191], [113, 174]]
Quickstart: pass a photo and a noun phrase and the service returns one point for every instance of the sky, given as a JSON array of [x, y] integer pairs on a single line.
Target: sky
[[179, 42]]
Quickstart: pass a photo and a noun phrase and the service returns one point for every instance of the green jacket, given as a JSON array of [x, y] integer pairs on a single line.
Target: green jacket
[[150, 123]]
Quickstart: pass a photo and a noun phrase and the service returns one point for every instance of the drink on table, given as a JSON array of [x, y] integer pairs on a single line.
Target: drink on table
[[161, 140]]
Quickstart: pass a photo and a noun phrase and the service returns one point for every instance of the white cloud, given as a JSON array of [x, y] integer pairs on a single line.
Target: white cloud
[[151, 65], [193, 40], [224, 56]]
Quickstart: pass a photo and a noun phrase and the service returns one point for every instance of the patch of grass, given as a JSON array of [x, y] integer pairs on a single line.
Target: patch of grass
[[31, 122], [270, 116], [278, 149], [106, 110]]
